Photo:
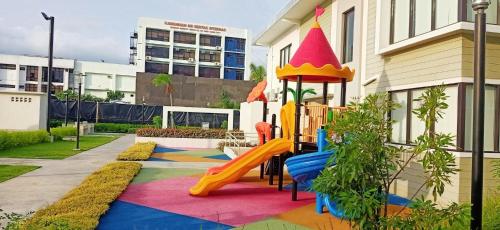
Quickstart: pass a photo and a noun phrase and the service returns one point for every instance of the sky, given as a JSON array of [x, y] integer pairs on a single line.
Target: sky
[[95, 30]]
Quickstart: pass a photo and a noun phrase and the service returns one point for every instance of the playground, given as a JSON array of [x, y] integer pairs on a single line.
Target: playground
[[254, 190]]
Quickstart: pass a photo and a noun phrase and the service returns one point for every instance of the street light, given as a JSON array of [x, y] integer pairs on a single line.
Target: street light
[[49, 71], [79, 80], [480, 7]]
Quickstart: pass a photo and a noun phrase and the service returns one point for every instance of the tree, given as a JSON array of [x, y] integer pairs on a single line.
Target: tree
[[366, 167], [303, 93], [257, 73], [72, 95], [164, 80], [226, 102], [92, 98], [114, 95]]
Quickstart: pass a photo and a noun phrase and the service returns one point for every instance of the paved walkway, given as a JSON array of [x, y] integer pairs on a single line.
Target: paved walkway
[[49, 183]]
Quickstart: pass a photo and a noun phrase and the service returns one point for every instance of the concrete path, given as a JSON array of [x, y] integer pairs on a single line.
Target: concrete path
[[39, 188]]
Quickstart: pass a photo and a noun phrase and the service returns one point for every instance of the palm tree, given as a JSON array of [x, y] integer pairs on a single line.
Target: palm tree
[[302, 94], [164, 80], [257, 73]]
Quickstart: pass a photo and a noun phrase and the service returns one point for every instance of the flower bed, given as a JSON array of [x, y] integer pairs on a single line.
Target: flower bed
[[138, 152], [82, 207], [183, 133], [11, 139]]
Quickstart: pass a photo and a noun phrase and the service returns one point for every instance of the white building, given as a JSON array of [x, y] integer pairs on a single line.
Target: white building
[[181, 48], [99, 78], [29, 73]]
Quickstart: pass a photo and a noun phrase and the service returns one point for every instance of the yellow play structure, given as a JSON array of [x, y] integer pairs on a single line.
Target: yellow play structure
[[238, 167]]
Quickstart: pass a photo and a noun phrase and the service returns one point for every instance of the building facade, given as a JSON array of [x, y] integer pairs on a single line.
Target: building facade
[[403, 47], [199, 50], [29, 73]]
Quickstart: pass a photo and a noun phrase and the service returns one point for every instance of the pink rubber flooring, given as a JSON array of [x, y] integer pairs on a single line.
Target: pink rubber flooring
[[234, 204]]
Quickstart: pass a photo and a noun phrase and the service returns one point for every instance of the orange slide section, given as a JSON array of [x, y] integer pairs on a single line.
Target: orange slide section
[[239, 166]]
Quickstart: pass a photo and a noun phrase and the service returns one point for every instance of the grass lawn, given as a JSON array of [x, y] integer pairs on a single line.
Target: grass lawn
[[10, 171], [57, 149]]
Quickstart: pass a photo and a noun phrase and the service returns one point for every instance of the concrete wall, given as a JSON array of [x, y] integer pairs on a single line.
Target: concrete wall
[[190, 91], [23, 111]]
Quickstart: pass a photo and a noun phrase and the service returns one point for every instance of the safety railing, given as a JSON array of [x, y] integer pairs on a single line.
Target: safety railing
[[240, 141]]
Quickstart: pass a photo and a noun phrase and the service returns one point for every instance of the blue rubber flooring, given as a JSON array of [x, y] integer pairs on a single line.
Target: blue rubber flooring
[[123, 215], [219, 157], [159, 149]]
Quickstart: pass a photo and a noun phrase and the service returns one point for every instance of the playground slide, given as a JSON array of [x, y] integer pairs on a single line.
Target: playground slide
[[308, 166], [218, 169], [240, 166]]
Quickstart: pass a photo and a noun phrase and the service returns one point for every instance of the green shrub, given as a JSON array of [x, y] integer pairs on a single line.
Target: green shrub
[[138, 152], [82, 207], [223, 125], [157, 121], [117, 128], [183, 133], [61, 132], [55, 123], [11, 139]]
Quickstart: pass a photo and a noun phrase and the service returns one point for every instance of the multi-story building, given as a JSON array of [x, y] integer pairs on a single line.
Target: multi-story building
[[403, 47], [188, 49], [29, 73]]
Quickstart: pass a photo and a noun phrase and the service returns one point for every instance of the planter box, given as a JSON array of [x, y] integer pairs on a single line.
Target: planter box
[[182, 142]]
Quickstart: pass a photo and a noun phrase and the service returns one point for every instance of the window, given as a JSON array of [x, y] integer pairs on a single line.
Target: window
[[399, 116], [234, 74], [235, 44], [400, 20], [348, 36], [184, 53], [7, 86], [414, 17], [234, 60], [153, 67], [157, 35], [209, 72], [53, 89], [157, 51], [186, 38], [489, 117], [32, 73], [423, 16], [208, 40], [31, 87], [491, 12], [8, 66], [209, 55], [57, 76], [285, 55], [184, 70], [446, 12]]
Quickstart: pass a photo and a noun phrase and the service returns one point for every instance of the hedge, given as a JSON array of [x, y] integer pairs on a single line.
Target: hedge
[[61, 132], [138, 152], [183, 133], [118, 128], [11, 139], [82, 207]]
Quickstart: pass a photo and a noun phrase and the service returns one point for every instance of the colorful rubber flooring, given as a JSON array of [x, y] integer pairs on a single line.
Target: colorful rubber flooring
[[188, 155], [159, 199]]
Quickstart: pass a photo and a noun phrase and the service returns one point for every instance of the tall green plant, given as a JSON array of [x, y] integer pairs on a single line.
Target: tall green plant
[[302, 94], [257, 73], [164, 80], [366, 167], [114, 95]]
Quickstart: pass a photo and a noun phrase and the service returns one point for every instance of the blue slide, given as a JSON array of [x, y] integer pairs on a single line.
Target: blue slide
[[304, 168]]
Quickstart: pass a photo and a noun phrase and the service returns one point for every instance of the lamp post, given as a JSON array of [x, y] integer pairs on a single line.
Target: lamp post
[[66, 94], [49, 71], [79, 79], [480, 7]]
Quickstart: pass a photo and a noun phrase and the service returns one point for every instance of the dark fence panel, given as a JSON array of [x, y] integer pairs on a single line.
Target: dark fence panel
[[108, 112], [196, 119]]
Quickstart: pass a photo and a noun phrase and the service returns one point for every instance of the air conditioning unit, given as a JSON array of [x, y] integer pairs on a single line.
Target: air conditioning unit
[[218, 47], [149, 58], [191, 59], [217, 63]]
